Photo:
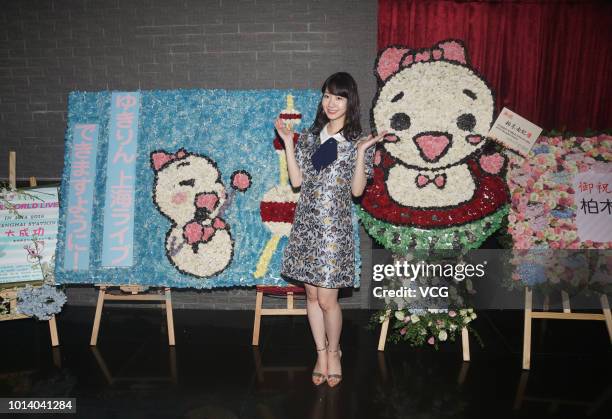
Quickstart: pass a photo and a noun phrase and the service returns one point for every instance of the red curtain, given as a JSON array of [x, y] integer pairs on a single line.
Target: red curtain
[[549, 61]]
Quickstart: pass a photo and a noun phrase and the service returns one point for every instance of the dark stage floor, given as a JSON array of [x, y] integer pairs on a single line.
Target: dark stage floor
[[219, 375]]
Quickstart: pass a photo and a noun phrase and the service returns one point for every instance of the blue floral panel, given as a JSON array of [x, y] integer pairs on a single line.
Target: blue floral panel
[[204, 161]]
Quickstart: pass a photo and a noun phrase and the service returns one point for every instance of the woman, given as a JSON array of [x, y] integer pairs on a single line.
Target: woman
[[329, 164]]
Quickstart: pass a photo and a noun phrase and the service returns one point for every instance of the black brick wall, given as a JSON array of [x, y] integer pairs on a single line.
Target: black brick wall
[[51, 47]]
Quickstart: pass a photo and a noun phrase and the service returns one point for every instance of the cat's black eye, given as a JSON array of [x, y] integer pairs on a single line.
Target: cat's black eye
[[400, 121], [466, 122]]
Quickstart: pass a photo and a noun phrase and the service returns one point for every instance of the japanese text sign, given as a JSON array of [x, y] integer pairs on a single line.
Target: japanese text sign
[[80, 196], [27, 240], [118, 236], [593, 197]]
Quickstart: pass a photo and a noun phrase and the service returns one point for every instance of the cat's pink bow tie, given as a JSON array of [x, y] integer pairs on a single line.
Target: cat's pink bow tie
[[424, 180]]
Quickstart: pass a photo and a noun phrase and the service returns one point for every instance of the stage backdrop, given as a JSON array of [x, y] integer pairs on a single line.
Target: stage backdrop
[[549, 61], [167, 188]]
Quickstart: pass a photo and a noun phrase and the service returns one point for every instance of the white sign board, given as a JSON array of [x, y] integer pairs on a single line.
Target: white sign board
[[593, 198], [514, 132], [39, 211]]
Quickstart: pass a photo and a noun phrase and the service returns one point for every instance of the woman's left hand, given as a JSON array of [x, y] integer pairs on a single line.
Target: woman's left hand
[[366, 142]]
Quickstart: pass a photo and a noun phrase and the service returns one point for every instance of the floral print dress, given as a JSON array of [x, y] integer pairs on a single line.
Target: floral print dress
[[321, 247]]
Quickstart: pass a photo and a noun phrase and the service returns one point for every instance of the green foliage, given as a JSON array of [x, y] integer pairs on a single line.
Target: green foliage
[[427, 327]]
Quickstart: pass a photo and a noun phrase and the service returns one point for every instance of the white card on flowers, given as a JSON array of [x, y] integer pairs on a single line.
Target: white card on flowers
[[514, 132], [594, 206]]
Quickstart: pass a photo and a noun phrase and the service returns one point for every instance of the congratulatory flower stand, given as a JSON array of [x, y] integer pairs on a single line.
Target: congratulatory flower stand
[[9, 292]]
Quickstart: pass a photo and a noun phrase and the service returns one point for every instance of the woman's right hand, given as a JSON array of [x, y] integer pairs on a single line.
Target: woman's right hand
[[284, 133]]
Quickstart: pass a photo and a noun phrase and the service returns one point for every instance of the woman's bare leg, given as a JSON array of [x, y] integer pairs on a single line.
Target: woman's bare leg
[[332, 314], [317, 326]]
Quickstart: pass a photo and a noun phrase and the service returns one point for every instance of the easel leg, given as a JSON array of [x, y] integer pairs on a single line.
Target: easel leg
[[257, 322], [13, 169], [544, 322], [289, 301], [169, 317], [96, 326], [566, 302], [383, 332], [52, 323], [465, 344], [605, 305], [527, 330], [53, 331]]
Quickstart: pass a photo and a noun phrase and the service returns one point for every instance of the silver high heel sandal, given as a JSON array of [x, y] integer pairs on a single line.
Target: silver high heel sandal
[[337, 377], [316, 374]]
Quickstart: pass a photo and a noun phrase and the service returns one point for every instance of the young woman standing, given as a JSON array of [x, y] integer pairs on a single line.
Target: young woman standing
[[330, 164]]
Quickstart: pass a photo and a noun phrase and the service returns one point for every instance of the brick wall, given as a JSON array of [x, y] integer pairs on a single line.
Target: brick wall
[[51, 47]]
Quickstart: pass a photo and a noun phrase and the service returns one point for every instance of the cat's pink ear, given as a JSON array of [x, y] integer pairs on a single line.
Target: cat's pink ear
[[160, 158], [453, 51], [389, 62]]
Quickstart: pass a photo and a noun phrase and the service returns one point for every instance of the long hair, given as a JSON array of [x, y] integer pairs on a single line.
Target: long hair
[[341, 84]]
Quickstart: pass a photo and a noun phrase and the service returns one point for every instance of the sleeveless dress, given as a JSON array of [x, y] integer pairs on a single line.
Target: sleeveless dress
[[321, 247]]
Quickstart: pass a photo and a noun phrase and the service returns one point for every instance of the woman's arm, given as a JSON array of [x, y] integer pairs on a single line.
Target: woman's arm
[[295, 173], [359, 178]]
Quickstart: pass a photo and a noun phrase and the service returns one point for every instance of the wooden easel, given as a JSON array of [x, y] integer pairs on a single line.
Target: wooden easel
[[289, 311], [10, 294], [565, 315], [382, 340], [133, 293]]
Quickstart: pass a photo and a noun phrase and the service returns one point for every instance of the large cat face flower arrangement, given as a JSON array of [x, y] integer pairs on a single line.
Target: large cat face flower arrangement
[[437, 181]]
